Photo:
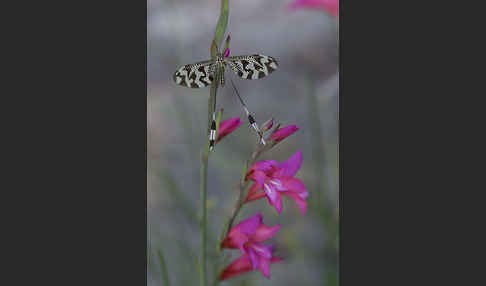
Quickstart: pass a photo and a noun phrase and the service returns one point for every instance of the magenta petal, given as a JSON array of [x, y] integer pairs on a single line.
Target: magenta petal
[[239, 266], [255, 188], [248, 226], [290, 167], [255, 193], [302, 206], [332, 6], [304, 195], [226, 53], [295, 185], [300, 202], [262, 250], [253, 258], [264, 165], [278, 204], [265, 266], [259, 177], [265, 232], [237, 239], [243, 264]]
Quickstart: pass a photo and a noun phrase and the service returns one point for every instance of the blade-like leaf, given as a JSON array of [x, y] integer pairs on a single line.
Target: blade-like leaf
[[163, 266]]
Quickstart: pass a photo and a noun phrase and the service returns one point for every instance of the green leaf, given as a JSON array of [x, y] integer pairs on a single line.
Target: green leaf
[[200, 271], [222, 22], [165, 274]]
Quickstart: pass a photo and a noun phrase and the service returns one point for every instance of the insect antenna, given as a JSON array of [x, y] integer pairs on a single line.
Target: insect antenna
[[248, 114]]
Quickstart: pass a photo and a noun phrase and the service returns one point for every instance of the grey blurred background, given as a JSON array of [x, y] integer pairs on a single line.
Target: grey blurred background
[[303, 91]]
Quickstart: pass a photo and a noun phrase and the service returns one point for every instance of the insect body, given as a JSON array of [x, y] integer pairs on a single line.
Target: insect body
[[202, 74]]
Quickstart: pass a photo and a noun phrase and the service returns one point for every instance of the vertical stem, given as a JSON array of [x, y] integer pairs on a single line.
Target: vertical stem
[[204, 187], [218, 38], [204, 176]]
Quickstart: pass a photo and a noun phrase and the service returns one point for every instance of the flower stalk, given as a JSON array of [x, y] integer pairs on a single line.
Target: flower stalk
[[218, 37], [242, 187]]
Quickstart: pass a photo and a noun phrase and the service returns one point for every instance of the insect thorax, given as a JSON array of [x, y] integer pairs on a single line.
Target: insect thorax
[[220, 65]]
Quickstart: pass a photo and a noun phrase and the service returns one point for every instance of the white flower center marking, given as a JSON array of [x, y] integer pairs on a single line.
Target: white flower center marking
[[276, 183], [267, 188]]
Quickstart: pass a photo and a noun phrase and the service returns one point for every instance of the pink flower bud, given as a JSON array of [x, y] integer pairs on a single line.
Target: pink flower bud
[[226, 53], [268, 125], [283, 133], [228, 126]]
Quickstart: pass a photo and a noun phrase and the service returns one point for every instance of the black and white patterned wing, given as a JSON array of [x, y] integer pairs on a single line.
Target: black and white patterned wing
[[196, 75], [252, 67]]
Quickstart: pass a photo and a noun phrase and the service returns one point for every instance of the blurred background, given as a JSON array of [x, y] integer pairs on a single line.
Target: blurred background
[[303, 91]]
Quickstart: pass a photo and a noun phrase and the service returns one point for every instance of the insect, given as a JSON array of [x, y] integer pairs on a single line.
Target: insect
[[202, 74]]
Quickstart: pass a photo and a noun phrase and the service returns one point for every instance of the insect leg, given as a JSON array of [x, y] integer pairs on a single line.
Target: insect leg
[[252, 121], [212, 131]]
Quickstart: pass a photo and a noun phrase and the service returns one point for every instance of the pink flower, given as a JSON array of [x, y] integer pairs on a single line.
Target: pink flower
[[248, 236], [228, 126], [273, 179], [331, 6], [283, 133], [226, 53], [242, 265]]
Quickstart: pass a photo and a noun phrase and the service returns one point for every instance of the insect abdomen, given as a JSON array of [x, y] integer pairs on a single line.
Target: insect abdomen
[[222, 76]]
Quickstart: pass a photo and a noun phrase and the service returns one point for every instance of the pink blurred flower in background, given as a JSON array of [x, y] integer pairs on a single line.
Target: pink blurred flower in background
[[283, 133], [248, 236], [331, 6], [228, 126], [273, 179]]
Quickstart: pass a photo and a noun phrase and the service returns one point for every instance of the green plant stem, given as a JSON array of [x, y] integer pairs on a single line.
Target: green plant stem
[[204, 185], [243, 185], [218, 38], [204, 177]]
